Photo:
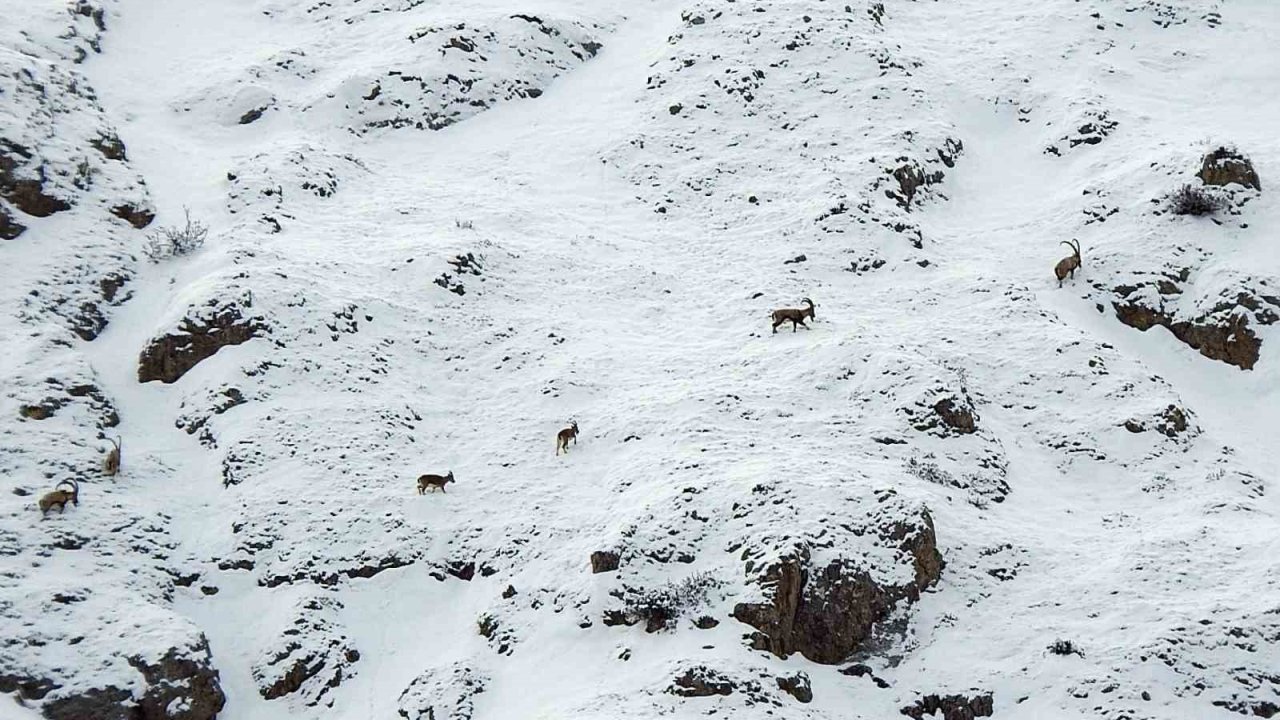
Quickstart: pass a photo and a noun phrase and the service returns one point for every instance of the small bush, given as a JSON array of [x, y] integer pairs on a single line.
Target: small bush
[[174, 241], [1065, 647], [659, 607], [1191, 200]]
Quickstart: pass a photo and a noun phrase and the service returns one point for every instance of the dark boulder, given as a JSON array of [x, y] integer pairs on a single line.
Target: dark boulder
[[1226, 166], [604, 561]]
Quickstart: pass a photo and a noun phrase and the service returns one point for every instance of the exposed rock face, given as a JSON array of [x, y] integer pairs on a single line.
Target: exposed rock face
[[181, 685], [1226, 166], [168, 357], [1224, 333], [952, 707], [826, 612], [26, 194], [310, 657], [604, 561]]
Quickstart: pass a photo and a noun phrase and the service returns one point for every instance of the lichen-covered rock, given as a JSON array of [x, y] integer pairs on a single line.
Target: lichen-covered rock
[[203, 332]]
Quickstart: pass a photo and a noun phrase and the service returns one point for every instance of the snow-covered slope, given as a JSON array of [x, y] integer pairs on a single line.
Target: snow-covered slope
[[440, 232]]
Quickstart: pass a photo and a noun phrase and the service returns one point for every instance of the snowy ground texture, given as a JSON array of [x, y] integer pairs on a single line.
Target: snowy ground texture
[[438, 232]]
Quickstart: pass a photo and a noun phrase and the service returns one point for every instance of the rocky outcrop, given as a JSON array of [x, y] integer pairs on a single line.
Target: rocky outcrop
[[826, 612], [952, 707], [1224, 332], [1226, 166], [446, 693], [168, 357], [310, 657], [180, 685]]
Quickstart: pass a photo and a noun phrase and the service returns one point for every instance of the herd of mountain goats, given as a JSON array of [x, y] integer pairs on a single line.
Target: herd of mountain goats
[[60, 496]]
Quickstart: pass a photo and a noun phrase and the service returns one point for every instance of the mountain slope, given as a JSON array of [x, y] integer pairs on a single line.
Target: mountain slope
[[440, 233]]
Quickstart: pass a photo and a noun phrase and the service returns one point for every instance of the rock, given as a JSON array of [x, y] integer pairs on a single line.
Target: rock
[[1226, 166], [797, 686], [309, 657], [137, 217], [1223, 333], [446, 693], [110, 146], [701, 681], [958, 415], [604, 561], [26, 194], [825, 613], [168, 357], [952, 707], [705, 622], [109, 703], [9, 228], [181, 685], [1173, 421]]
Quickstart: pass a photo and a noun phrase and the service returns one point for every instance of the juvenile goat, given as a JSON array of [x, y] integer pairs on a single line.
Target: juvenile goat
[[433, 482], [795, 315], [1068, 265], [111, 464], [565, 435], [60, 497]]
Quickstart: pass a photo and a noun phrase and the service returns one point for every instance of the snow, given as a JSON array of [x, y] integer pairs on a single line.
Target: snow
[[624, 279]]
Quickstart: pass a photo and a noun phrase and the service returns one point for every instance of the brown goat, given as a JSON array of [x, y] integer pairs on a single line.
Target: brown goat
[[1068, 265], [565, 435], [111, 464], [60, 497], [433, 482], [795, 315]]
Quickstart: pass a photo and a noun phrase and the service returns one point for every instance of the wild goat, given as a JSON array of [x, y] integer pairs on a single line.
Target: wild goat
[[433, 482], [795, 315], [565, 435], [60, 497], [111, 464], [1068, 265]]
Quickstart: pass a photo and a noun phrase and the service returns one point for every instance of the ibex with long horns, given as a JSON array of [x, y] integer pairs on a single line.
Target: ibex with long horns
[[795, 315], [60, 497], [1067, 266]]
